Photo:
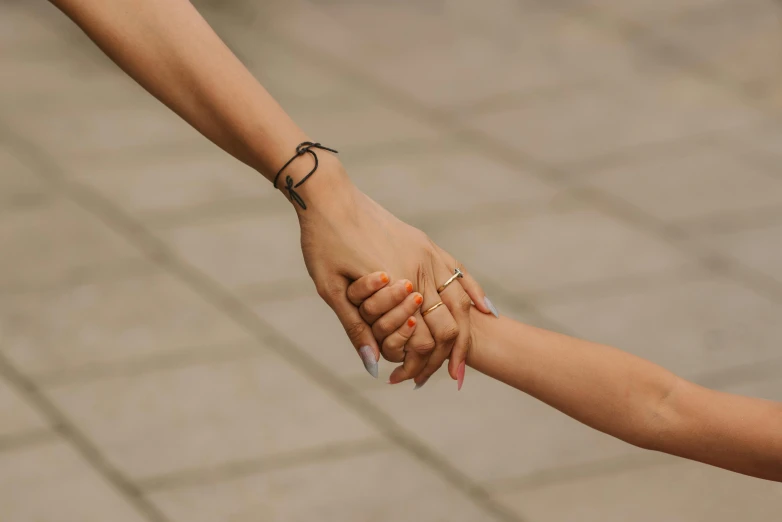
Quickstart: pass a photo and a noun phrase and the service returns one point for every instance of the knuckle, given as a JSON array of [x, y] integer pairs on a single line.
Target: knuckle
[[369, 308], [423, 347], [355, 329], [393, 353], [383, 328], [327, 291], [464, 302], [448, 334]]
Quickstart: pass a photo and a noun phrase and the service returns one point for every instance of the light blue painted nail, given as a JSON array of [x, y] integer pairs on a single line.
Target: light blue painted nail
[[368, 358], [491, 307]]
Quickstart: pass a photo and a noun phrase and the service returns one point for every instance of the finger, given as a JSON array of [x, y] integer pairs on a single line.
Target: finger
[[455, 299], [417, 351], [359, 332], [470, 285], [411, 366], [364, 287], [394, 344], [441, 320], [385, 300], [394, 319]]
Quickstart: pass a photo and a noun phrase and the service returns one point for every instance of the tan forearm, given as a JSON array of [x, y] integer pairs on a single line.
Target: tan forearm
[[609, 390], [630, 398], [168, 48], [742, 434]]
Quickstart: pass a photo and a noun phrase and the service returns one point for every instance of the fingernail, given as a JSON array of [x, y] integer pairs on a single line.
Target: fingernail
[[460, 376], [491, 307], [420, 385], [409, 287], [411, 322], [384, 278], [368, 358], [419, 299]]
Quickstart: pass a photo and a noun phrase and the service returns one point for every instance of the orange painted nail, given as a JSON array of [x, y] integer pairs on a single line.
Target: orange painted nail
[[411, 322], [419, 299], [409, 287], [384, 278]]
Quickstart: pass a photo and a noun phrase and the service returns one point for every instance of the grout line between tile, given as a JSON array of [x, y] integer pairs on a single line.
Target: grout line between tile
[[80, 442], [27, 438], [233, 470]]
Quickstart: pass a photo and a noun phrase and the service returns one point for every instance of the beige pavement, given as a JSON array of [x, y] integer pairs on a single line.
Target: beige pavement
[[607, 168]]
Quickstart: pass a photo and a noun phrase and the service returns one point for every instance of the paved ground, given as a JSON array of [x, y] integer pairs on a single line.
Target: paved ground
[[612, 169]]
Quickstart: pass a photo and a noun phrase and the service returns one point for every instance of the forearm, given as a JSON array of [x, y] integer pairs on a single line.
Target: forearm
[[630, 398], [609, 390], [170, 50]]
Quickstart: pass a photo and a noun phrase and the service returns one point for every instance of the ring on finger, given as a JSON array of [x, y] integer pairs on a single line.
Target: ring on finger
[[457, 274], [431, 309]]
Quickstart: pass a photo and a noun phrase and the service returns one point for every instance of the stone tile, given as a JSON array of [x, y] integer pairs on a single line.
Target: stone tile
[[443, 181], [21, 24], [17, 417], [588, 122], [541, 51], [100, 126], [651, 11], [699, 184], [170, 183], [674, 490], [758, 248], [764, 142], [45, 244], [37, 82], [18, 184], [243, 251], [769, 389], [353, 492], [108, 322], [490, 431], [556, 249], [51, 483], [691, 327], [205, 415], [323, 339], [741, 39]]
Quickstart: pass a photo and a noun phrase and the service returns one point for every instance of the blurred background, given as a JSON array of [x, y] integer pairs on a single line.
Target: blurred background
[[606, 168]]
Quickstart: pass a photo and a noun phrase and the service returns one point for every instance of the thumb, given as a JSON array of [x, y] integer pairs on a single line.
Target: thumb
[[359, 332]]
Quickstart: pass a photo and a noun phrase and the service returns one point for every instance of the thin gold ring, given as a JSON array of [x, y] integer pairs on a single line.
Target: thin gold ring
[[457, 274], [431, 309]]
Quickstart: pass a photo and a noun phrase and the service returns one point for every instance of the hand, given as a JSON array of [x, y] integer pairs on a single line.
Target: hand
[[345, 235]]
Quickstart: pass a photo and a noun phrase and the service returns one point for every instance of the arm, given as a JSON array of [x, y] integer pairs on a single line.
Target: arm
[[168, 48], [630, 398]]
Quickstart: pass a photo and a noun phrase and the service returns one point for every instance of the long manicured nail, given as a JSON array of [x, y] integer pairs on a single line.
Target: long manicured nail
[[491, 307], [420, 385], [460, 376], [368, 358]]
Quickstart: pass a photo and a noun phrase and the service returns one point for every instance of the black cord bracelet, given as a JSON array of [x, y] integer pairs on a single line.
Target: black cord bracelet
[[302, 148]]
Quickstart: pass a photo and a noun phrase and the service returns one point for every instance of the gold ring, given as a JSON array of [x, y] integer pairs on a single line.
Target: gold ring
[[457, 274], [431, 309]]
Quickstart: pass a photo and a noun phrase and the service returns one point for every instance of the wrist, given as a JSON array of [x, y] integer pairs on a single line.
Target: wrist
[[327, 189], [478, 330]]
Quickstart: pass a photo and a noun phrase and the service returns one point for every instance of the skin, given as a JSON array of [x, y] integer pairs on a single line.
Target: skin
[[170, 50], [615, 392]]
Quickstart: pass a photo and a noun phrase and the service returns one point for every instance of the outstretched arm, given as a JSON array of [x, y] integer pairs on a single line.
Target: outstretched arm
[[168, 48], [610, 390], [631, 398]]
